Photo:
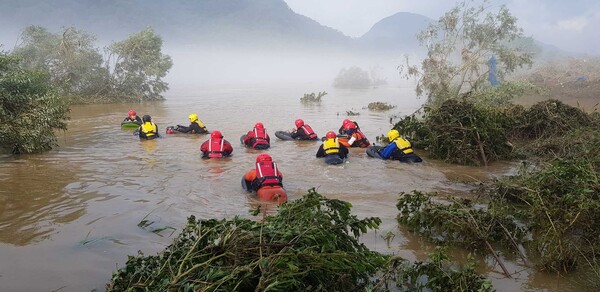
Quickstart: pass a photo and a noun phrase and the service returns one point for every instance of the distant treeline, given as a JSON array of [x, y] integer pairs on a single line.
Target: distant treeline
[[128, 70]]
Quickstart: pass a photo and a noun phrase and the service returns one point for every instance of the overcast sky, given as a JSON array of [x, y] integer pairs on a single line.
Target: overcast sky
[[572, 25]]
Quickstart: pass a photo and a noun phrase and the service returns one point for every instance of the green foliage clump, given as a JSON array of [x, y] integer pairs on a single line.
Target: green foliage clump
[[30, 110], [552, 118], [310, 244], [380, 106], [312, 98], [457, 222], [440, 274], [560, 204], [353, 77], [460, 132]]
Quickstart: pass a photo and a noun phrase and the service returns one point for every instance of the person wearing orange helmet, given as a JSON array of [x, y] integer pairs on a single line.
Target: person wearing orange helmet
[[303, 131], [344, 127], [333, 151], [265, 179], [132, 117], [216, 146], [356, 138], [258, 137]]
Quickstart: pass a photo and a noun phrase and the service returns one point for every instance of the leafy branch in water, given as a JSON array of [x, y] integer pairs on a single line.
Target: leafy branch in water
[[311, 243], [312, 98]]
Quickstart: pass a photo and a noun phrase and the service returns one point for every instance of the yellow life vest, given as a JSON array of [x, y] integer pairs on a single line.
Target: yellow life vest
[[200, 123], [403, 145], [149, 129], [331, 146]]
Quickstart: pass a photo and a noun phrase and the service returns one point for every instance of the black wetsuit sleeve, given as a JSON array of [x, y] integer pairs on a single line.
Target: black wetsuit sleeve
[[183, 129], [341, 130], [299, 134], [321, 151], [343, 151]]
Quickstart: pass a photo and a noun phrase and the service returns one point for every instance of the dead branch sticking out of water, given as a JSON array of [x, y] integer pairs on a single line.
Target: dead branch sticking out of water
[[312, 98]]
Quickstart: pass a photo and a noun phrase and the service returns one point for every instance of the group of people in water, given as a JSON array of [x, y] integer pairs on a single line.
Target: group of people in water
[[266, 179]]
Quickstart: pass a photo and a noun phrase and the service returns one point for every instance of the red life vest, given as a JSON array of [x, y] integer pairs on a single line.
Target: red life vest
[[260, 137], [309, 131], [215, 148], [267, 174]]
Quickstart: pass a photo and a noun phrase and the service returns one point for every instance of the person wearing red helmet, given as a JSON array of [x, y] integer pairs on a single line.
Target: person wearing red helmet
[[132, 117], [216, 146], [333, 151], [344, 127], [265, 179], [303, 131], [258, 137], [356, 138]]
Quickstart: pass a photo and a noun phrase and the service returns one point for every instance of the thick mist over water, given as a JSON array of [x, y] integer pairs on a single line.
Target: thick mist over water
[[200, 66]]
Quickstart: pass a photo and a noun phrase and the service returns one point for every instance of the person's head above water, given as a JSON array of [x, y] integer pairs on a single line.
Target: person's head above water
[[216, 135], [299, 123], [132, 113], [259, 125], [393, 134], [263, 157], [193, 117], [146, 118], [330, 135]]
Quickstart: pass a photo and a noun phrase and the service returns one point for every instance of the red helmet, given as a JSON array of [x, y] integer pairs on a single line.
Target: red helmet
[[259, 125], [132, 113], [346, 121], [216, 135], [330, 135], [263, 157], [299, 123], [351, 125]]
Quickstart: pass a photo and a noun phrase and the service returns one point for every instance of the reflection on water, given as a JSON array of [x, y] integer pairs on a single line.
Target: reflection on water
[[69, 215]]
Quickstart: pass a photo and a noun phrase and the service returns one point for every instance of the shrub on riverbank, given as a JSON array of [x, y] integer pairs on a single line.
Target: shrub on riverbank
[[465, 132], [549, 209]]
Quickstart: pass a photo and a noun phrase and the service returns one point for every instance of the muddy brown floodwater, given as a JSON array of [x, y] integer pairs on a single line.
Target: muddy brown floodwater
[[70, 216]]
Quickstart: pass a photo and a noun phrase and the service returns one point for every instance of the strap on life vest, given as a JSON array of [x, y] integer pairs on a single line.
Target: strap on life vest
[[269, 179], [215, 153], [309, 131]]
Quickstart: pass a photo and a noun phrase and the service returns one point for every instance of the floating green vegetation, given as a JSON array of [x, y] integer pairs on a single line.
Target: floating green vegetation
[[380, 106], [312, 97], [309, 244]]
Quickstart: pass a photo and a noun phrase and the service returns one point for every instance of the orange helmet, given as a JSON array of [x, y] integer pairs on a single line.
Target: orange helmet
[[330, 135], [132, 113], [216, 135], [259, 125], [263, 157], [299, 123]]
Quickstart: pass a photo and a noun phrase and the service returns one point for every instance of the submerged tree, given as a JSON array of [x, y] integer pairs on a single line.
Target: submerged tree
[[29, 109], [70, 58], [137, 66], [459, 46]]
